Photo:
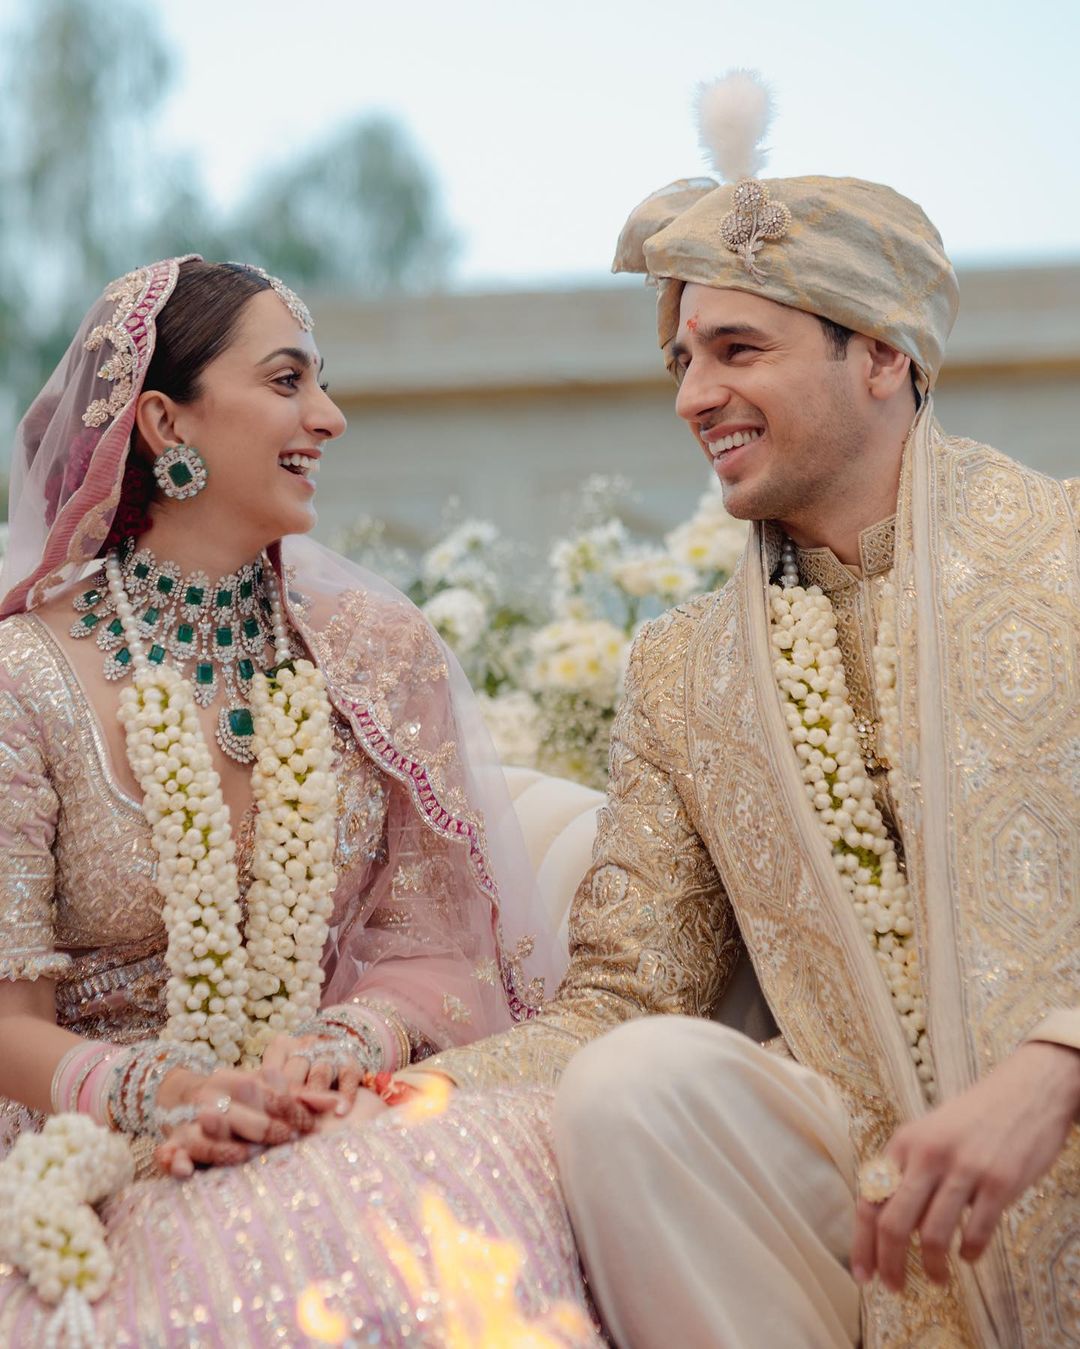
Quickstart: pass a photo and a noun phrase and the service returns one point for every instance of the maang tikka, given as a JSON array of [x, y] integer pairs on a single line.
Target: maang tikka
[[181, 472]]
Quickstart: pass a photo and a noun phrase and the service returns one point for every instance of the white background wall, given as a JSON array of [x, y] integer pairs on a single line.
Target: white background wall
[[509, 401]]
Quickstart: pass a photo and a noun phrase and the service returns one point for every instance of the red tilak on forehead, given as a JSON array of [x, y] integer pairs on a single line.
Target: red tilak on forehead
[[692, 323]]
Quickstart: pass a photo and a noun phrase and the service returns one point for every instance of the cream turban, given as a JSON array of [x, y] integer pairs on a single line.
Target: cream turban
[[851, 251]]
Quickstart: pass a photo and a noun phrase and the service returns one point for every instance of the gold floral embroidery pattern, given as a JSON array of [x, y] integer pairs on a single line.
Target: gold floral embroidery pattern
[[455, 1009], [126, 342], [1003, 659]]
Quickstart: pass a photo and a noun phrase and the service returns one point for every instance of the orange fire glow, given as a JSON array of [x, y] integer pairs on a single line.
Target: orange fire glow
[[474, 1279], [431, 1097], [316, 1320]]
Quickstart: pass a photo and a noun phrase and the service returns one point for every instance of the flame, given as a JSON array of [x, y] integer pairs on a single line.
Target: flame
[[474, 1281], [316, 1320], [431, 1097]]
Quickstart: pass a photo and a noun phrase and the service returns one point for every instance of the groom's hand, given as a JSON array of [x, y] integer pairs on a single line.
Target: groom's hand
[[974, 1154]]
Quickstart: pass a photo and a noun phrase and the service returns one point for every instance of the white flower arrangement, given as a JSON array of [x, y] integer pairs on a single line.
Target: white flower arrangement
[[49, 1182], [515, 724], [462, 558], [711, 541], [809, 672], [586, 656], [549, 662], [459, 616], [654, 572]]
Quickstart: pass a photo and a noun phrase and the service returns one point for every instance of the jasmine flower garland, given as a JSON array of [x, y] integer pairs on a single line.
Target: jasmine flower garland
[[291, 895], [809, 672], [48, 1185]]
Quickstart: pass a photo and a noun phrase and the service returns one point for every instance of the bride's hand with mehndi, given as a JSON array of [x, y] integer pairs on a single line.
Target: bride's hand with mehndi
[[317, 1063], [220, 1119]]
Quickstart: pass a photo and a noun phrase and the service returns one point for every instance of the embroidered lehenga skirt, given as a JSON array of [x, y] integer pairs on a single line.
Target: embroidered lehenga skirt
[[445, 1231]]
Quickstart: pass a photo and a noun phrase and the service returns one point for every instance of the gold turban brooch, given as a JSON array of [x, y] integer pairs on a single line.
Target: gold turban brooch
[[851, 251]]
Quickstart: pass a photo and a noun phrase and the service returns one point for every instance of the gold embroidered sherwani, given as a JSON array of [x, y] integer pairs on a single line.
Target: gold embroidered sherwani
[[708, 843]]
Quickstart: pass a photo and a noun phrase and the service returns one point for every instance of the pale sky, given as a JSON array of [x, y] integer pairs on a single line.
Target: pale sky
[[544, 123]]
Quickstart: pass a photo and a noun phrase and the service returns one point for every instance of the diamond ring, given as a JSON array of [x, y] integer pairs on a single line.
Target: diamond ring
[[879, 1179], [223, 1103]]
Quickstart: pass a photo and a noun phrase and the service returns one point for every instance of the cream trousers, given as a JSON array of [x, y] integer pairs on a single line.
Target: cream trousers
[[711, 1188]]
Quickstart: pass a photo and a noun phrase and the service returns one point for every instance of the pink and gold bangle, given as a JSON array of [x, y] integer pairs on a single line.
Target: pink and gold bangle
[[72, 1072], [92, 1097]]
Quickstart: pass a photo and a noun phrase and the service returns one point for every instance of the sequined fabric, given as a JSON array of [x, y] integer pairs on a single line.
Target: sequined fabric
[[237, 1258]]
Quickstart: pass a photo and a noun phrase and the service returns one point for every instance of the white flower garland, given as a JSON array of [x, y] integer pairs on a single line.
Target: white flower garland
[[291, 895], [809, 672], [50, 1232], [219, 992]]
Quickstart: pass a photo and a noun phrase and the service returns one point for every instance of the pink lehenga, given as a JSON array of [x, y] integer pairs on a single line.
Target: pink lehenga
[[433, 939], [442, 1232]]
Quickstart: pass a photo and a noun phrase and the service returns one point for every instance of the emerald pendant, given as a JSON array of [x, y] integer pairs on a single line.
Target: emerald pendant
[[240, 721], [235, 730]]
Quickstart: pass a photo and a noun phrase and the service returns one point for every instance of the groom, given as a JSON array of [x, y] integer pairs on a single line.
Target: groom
[[871, 788]]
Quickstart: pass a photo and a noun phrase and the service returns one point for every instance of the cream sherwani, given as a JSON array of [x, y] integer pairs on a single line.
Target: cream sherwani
[[709, 844]]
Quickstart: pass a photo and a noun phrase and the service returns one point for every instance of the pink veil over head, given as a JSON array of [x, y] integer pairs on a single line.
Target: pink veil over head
[[479, 952]]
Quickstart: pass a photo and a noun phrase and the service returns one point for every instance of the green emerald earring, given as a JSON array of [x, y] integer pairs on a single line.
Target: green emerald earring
[[181, 472]]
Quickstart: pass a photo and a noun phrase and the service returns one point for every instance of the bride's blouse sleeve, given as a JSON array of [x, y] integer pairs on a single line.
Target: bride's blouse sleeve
[[28, 815]]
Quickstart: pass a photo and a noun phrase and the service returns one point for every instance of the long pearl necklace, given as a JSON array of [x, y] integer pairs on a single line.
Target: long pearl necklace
[[822, 725], [220, 992], [219, 632]]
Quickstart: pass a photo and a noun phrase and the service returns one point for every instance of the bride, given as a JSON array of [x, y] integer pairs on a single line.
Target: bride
[[255, 859]]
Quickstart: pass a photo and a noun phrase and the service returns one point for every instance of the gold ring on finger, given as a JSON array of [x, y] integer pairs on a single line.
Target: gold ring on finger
[[879, 1179]]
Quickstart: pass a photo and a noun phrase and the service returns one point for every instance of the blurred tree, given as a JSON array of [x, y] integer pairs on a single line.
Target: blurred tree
[[85, 194], [81, 78], [359, 212]]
